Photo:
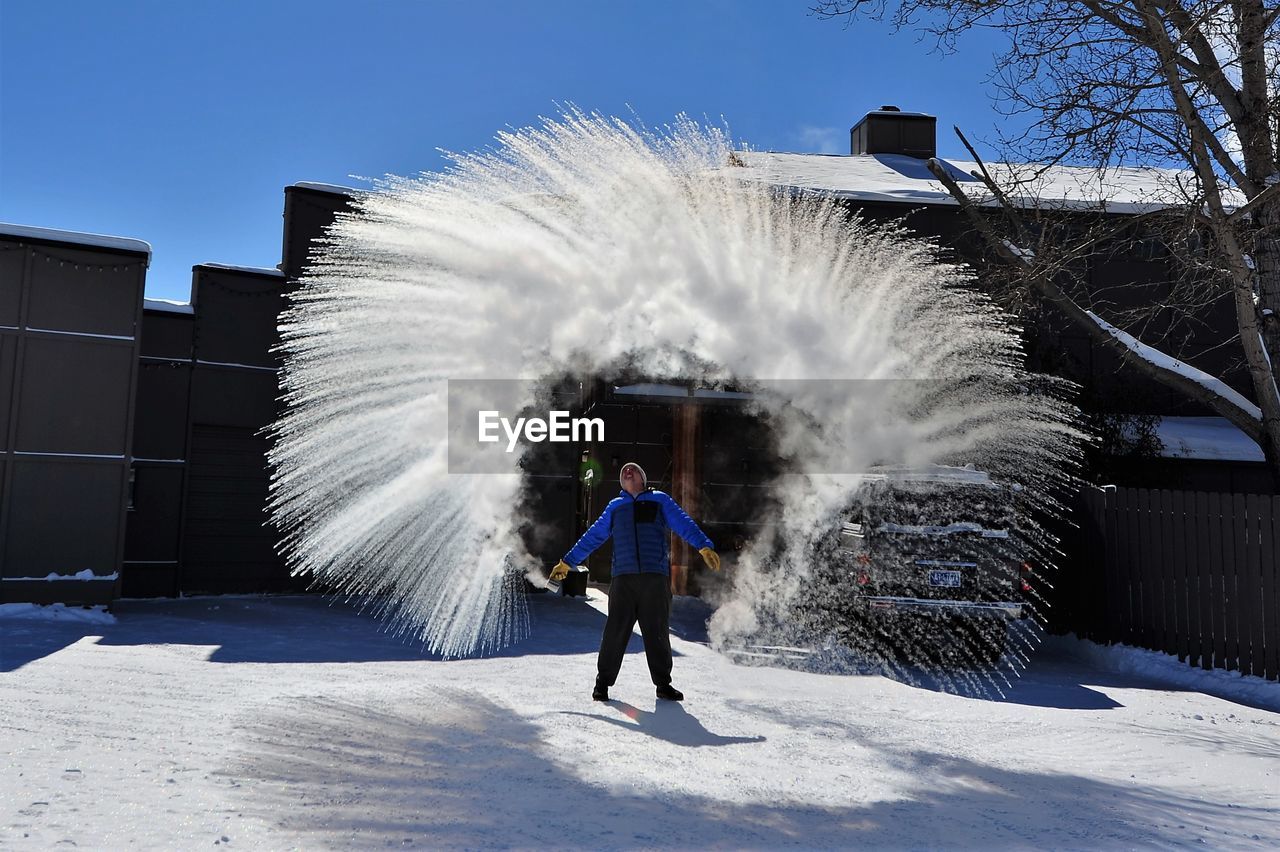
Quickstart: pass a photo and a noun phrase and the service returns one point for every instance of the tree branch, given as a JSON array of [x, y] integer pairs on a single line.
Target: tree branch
[[1047, 289]]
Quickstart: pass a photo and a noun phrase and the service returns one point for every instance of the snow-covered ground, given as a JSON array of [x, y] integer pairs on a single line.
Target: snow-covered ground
[[287, 722]]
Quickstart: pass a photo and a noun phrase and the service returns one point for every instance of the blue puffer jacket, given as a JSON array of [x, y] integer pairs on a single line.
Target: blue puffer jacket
[[639, 528]]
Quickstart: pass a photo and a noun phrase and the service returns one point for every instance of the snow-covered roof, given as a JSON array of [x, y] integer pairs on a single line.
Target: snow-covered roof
[[172, 306], [901, 179], [1209, 438], [256, 270], [329, 187], [31, 232]]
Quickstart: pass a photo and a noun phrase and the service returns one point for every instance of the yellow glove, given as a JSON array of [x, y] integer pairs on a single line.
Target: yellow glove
[[710, 557], [561, 570]]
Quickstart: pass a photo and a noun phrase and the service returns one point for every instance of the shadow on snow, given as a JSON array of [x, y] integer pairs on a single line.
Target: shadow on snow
[[453, 769]]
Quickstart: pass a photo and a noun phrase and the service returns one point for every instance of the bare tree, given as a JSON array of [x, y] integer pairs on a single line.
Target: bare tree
[[1191, 87]]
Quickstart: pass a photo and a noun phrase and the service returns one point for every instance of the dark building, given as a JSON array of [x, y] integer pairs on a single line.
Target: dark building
[[70, 315], [207, 388], [188, 469], [132, 429]]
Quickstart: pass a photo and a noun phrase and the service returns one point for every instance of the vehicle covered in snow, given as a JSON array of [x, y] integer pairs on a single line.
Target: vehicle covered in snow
[[931, 562]]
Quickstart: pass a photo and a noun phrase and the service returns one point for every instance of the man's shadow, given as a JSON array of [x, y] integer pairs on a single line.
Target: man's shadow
[[667, 721]]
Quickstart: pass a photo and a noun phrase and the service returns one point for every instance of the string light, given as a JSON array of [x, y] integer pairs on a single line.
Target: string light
[[62, 262]]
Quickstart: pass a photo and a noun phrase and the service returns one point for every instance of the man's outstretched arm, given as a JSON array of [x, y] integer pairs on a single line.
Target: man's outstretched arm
[[597, 534], [682, 524], [678, 520]]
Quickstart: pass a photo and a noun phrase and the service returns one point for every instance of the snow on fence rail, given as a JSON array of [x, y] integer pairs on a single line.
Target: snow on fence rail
[[1189, 573]]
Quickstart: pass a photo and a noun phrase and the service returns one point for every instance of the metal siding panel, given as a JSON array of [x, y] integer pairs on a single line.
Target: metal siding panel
[[160, 418], [74, 395], [226, 546], [64, 517], [237, 317], [654, 428], [8, 366], [151, 532], [307, 215], [100, 297], [226, 396], [70, 592], [167, 335], [12, 262], [619, 422]]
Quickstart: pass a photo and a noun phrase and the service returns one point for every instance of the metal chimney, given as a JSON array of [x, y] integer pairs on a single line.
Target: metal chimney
[[889, 130]]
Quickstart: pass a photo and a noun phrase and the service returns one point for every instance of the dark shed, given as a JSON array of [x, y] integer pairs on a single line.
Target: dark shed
[[209, 388], [70, 310], [159, 450]]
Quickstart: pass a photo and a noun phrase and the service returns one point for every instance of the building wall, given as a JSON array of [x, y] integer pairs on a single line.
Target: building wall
[[308, 211], [227, 543], [69, 320], [154, 526], [209, 389]]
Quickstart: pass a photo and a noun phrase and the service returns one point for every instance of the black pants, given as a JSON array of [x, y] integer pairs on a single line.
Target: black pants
[[637, 597]]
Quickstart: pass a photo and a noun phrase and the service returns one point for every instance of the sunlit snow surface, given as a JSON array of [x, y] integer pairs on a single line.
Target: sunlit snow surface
[[587, 246]]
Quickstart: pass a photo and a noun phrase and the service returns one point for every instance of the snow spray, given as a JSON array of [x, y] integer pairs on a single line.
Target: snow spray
[[589, 245]]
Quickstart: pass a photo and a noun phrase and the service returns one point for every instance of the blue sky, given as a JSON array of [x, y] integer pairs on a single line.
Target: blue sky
[[180, 123]]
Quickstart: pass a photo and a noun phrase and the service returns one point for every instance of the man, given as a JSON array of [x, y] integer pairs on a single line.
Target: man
[[638, 519]]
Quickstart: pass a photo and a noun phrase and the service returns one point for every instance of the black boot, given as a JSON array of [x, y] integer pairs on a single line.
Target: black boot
[[670, 693], [600, 693]]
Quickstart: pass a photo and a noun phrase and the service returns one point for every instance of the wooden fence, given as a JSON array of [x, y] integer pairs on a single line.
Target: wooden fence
[[1193, 574]]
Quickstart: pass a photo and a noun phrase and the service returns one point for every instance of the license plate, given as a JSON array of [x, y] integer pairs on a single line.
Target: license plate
[[947, 579]]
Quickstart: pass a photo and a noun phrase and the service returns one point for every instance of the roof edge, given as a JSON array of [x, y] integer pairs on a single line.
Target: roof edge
[[76, 238]]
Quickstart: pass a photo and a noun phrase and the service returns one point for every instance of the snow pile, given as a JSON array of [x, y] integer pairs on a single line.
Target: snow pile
[[85, 575], [1165, 668], [57, 612], [171, 306], [589, 247], [1215, 438]]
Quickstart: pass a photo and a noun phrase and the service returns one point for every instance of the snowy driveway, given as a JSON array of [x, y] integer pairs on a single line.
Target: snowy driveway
[[274, 723]]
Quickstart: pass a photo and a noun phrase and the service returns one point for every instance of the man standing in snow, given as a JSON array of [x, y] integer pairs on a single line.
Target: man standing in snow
[[638, 519]]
